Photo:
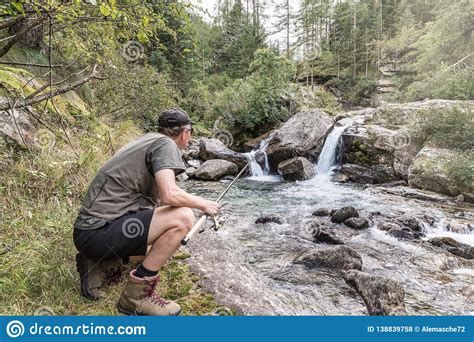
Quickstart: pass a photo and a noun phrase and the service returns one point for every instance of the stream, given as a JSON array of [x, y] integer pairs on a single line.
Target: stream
[[259, 257]]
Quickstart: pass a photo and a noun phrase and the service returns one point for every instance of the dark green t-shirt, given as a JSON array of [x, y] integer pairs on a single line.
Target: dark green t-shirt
[[126, 182]]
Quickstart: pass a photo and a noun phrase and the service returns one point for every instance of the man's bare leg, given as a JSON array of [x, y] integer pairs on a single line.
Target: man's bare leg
[[168, 227]]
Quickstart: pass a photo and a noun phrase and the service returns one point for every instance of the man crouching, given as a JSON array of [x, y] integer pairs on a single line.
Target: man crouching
[[119, 216]]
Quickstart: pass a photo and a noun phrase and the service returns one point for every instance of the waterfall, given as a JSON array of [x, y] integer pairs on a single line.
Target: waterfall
[[256, 171], [327, 157]]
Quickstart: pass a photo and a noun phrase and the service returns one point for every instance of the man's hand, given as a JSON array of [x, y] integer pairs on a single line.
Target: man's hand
[[210, 207]]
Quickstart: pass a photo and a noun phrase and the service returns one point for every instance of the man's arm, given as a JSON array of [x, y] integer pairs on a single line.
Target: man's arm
[[172, 195]]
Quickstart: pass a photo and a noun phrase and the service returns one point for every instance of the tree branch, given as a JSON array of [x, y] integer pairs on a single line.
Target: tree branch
[[30, 101], [32, 64], [34, 23]]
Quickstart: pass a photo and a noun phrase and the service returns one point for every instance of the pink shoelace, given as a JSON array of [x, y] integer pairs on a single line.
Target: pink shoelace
[[150, 291]]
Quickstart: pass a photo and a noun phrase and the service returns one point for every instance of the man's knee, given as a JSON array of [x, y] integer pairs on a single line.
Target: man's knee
[[185, 218]]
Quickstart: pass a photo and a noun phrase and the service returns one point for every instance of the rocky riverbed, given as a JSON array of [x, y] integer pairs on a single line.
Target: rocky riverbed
[[351, 236]]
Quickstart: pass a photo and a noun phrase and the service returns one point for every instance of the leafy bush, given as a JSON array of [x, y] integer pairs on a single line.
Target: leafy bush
[[461, 168], [454, 85], [260, 100], [452, 128]]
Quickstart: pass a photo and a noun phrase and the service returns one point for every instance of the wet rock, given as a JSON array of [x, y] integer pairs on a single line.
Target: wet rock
[[404, 233], [215, 149], [454, 247], [340, 178], [182, 177], [321, 212], [215, 169], [297, 168], [332, 211], [343, 214], [368, 174], [194, 163], [338, 258], [458, 227], [382, 296], [302, 135], [428, 219], [321, 235], [190, 171], [375, 213], [266, 218], [410, 222], [357, 222], [387, 225]]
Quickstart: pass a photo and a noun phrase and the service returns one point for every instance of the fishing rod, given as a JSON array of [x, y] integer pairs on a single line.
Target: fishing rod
[[202, 219]]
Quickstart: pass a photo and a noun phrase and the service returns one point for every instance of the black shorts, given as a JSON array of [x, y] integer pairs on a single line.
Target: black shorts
[[122, 237]]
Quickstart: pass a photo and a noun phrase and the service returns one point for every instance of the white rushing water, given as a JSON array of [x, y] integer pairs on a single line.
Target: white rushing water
[[256, 171], [327, 157], [434, 280]]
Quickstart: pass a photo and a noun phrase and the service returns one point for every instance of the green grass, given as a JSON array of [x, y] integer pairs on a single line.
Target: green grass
[[41, 193]]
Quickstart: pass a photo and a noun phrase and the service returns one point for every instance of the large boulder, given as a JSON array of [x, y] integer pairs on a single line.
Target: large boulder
[[338, 258], [382, 296], [429, 172], [302, 135], [215, 169], [368, 174], [297, 168], [215, 149]]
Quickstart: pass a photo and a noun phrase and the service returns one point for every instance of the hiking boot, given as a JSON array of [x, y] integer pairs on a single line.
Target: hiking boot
[[139, 298], [95, 275]]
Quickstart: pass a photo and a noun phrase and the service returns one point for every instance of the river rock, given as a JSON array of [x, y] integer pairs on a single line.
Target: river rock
[[190, 171], [215, 149], [429, 172], [387, 225], [266, 218], [325, 236], [459, 227], [357, 222], [410, 222], [382, 296], [454, 247], [368, 174], [404, 233], [194, 163], [338, 258], [343, 214], [321, 212], [215, 169], [302, 135], [297, 168]]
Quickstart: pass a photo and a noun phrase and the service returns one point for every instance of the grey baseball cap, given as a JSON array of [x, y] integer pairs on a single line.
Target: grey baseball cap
[[174, 117]]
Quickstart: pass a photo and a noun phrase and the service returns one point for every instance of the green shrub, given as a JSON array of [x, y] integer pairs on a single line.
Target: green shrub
[[451, 128], [461, 168], [259, 101], [453, 85]]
